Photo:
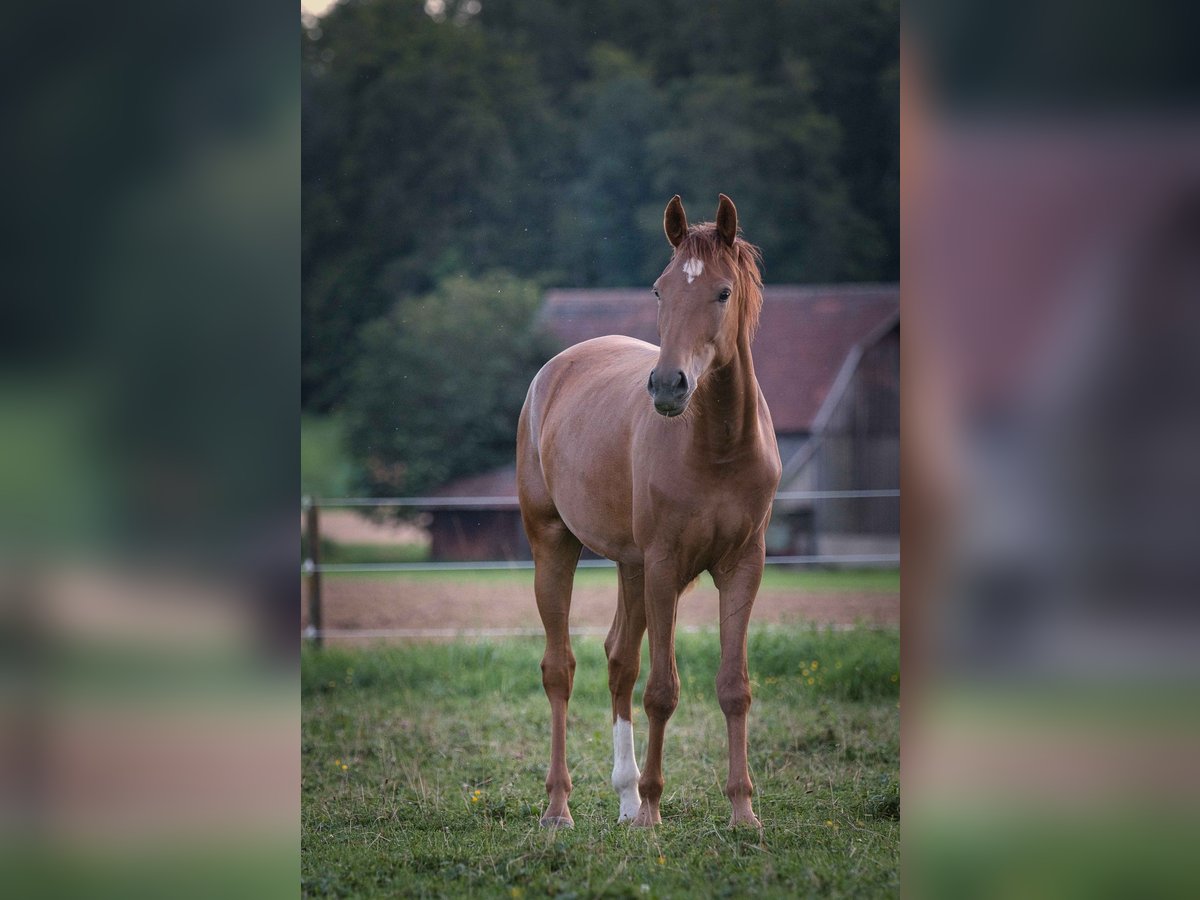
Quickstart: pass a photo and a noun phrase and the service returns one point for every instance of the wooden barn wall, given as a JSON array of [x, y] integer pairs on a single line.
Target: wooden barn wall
[[860, 448], [477, 535]]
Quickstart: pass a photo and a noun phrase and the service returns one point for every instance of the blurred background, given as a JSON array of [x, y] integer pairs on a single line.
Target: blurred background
[[148, 371], [1051, 279]]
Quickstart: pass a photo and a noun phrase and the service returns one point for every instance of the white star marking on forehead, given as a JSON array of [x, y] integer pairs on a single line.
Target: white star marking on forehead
[[692, 269]]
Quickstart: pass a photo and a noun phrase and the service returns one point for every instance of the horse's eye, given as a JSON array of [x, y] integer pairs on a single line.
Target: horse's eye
[[655, 291], [723, 296]]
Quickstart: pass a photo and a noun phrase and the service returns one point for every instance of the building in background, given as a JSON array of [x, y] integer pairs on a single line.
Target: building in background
[[828, 362]]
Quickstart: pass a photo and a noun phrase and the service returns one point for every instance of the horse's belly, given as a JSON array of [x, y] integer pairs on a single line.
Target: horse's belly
[[609, 544], [584, 441], [595, 503]]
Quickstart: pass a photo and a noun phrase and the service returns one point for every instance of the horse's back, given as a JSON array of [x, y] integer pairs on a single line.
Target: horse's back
[[574, 439]]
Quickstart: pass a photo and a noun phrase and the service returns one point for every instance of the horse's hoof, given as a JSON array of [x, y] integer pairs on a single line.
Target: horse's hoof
[[751, 820], [557, 822], [645, 819]]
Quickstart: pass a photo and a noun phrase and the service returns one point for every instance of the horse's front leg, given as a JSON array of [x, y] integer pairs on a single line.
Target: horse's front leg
[[738, 584], [662, 686], [624, 648]]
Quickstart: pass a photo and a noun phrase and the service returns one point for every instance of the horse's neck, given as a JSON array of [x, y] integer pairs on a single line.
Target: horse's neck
[[728, 422]]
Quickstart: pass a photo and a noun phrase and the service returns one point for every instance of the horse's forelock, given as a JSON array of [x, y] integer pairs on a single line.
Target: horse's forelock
[[743, 260]]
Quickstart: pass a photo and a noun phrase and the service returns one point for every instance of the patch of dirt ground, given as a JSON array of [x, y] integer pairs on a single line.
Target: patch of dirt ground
[[348, 527], [361, 604]]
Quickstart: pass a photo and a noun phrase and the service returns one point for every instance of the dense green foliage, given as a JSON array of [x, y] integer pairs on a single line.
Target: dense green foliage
[[423, 770], [326, 468], [543, 137], [440, 382]]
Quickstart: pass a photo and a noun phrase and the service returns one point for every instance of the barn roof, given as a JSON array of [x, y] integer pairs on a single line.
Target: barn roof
[[805, 336]]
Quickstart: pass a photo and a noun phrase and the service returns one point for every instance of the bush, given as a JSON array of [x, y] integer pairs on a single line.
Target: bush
[[440, 382]]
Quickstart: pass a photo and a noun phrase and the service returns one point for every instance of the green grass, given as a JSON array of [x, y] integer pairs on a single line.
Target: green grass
[[421, 728], [774, 577], [333, 552]]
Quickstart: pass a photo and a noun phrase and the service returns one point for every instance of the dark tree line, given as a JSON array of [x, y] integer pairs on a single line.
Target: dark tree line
[[543, 137]]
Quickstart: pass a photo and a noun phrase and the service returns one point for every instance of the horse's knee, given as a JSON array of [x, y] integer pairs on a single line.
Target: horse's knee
[[733, 693], [558, 674], [661, 697]]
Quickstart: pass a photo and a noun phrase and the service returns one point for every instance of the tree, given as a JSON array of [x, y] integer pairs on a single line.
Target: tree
[[428, 150], [440, 381], [602, 228], [775, 152]]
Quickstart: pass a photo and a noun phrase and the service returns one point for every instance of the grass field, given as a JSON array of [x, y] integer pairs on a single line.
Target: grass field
[[423, 770]]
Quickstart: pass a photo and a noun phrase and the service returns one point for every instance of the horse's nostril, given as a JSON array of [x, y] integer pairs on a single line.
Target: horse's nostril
[[650, 382], [680, 381]]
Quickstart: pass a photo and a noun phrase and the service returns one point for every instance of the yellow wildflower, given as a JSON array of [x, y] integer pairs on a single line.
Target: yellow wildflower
[[662, 860], [812, 681]]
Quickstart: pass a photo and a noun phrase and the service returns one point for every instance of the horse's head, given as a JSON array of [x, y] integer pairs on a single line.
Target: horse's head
[[707, 295]]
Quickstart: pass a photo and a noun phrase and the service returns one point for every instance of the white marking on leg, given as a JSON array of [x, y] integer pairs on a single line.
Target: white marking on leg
[[625, 771], [692, 268]]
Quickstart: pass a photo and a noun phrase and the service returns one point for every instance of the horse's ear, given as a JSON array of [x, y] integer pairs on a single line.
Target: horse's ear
[[726, 220], [675, 222]]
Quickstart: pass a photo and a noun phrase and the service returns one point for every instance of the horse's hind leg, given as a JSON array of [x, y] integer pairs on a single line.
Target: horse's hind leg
[[555, 555], [624, 648]]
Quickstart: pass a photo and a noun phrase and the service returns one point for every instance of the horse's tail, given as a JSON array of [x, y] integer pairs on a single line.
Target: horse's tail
[[533, 408]]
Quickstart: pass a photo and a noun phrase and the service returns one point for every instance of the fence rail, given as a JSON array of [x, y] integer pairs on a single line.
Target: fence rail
[[312, 567], [512, 503]]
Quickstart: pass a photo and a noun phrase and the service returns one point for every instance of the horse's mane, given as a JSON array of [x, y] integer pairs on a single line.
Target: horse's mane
[[742, 261]]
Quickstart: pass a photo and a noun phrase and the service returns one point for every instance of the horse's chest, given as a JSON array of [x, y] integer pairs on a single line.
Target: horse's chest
[[701, 516]]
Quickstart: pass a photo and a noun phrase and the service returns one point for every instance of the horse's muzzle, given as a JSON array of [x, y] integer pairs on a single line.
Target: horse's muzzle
[[670, 393]]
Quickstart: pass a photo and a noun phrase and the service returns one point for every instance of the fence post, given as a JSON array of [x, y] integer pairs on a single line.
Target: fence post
[[312, 569]]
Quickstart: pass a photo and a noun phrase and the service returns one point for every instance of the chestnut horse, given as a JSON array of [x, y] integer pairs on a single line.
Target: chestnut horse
[[668, 486]]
